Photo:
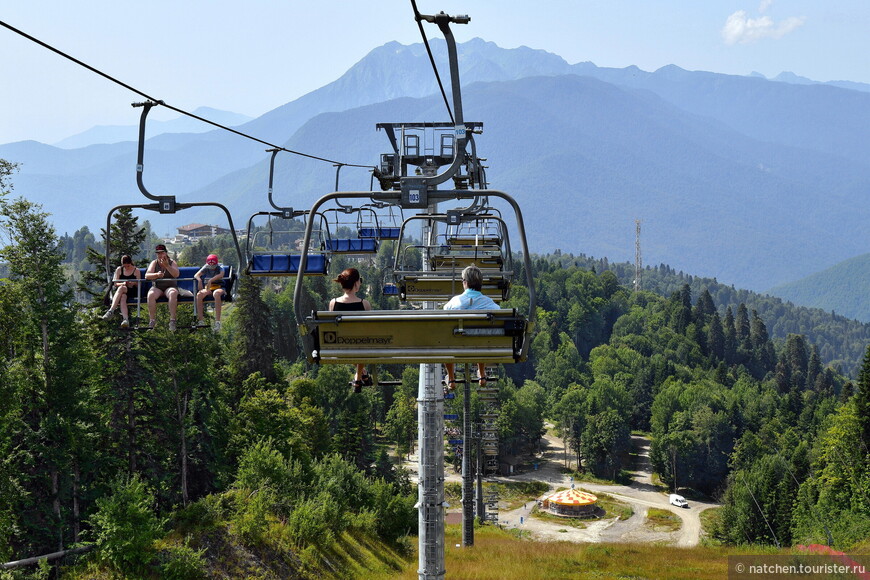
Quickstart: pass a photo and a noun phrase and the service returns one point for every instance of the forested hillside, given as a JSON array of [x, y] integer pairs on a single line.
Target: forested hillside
[[841, 341], [170, 451], [842, 288]]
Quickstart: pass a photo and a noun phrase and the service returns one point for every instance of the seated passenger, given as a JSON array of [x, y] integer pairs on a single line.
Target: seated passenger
[[122, 281], [163, 273], [471, 299], [214, 285], [350, 283]]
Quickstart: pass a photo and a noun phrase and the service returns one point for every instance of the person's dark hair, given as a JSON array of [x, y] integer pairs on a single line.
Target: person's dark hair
[[125, 259], [348, 278], [473, 277]]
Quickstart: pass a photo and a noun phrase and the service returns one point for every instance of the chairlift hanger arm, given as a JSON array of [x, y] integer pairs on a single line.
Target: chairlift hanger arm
[[460, 130], [166, 203]]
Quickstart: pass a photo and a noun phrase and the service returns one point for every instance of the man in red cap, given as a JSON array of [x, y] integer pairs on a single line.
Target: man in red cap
[[214, 285]]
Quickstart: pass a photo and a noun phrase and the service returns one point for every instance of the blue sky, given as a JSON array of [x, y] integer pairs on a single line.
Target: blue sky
[[254, 56]]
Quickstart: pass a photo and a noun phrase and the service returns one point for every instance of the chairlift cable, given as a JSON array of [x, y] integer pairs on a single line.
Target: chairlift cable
[[170, 107]]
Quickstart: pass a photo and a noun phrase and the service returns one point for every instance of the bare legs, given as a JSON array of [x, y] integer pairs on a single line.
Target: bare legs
[[451, 374], [171, 295], [218, 302]]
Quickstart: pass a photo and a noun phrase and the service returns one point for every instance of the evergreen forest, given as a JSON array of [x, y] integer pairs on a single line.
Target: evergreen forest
[[154, 449]]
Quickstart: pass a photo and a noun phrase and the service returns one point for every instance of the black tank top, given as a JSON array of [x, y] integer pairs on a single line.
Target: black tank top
[[348, 306]]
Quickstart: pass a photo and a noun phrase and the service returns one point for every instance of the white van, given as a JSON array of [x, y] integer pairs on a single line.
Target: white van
[[678, 500]]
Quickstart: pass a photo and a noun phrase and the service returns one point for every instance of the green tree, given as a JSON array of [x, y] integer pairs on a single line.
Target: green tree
[[48, 369], [127, 238], [126, 525], [252, 346], [401, 425], [605, 441]]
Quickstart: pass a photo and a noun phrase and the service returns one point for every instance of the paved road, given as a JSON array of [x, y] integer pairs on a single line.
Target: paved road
[[641, 494]]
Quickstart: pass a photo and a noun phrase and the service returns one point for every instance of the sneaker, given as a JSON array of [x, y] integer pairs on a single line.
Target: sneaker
[[109, 313], [201, 324], [172, 325], [151, 324], [217, 325], [125, 323]]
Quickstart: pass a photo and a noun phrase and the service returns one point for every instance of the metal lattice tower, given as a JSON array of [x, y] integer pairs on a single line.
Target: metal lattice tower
[[638, 263]]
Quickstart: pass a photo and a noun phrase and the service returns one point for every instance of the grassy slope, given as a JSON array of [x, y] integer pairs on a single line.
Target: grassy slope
[[500, 555]]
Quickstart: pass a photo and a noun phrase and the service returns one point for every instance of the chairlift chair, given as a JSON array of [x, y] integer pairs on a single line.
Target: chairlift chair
[[414, 336], [164, 205]]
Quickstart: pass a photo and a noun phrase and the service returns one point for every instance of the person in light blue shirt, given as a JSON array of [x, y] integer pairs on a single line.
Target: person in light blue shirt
[[471, 299]]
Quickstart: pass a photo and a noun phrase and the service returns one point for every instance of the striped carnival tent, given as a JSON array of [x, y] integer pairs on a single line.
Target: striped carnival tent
[[571, 503]]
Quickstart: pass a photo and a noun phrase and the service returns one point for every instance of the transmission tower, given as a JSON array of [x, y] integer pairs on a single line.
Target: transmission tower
[[638, 263]]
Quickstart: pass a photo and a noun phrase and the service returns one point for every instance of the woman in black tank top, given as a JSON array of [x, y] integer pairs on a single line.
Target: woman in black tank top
[[348, 306], [126, 271], [350, 283]]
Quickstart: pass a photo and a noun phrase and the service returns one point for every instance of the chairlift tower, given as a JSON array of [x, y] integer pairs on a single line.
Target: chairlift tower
[[409, 177]]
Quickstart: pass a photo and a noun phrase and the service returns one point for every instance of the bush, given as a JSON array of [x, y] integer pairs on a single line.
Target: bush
[[125, 525], [181, 562], [252, 518], [309, 524]]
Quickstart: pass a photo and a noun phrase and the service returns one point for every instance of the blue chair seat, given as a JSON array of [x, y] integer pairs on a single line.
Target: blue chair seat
[[287, 265], [351, 246], [185, 281], [379, 233]]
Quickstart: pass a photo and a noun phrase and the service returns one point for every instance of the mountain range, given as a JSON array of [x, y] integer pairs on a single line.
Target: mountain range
[[184, 124], [755, 182]]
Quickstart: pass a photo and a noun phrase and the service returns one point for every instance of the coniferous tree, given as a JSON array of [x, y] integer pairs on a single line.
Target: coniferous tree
[[704, 307], [729, 334], [814, 367], [682, 303], [126, 238], [716, 338], [253, 349], [743, 327], [49, 371]]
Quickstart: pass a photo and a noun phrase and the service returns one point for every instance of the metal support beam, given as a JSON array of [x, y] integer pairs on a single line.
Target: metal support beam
[[467, 475]]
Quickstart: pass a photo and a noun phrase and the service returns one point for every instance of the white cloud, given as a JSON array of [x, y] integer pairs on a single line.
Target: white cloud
[[740, 28], [765, 4]]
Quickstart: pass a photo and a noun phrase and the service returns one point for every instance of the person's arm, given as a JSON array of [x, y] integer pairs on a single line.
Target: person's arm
[[332, 305], [198, 277], [151, 273], [218, 276], [117, 278], [172, 268], [366, 304]]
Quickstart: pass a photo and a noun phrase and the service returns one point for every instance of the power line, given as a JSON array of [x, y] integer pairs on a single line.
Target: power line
[[170, 107], [775, 539]]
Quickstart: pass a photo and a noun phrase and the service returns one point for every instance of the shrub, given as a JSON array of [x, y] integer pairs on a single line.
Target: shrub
[[181, 562], [309, 524], [126, 525]]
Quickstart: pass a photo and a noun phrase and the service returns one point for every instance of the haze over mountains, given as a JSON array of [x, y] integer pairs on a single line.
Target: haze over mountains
[[753, 181], [842, 288]]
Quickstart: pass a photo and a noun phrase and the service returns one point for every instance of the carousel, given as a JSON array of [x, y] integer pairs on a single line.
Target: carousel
[[571, 503]]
